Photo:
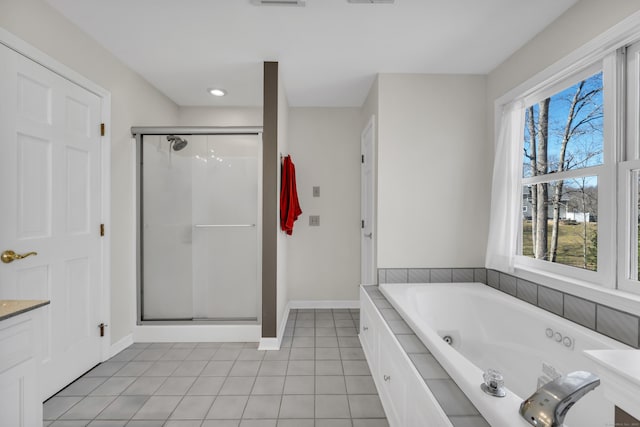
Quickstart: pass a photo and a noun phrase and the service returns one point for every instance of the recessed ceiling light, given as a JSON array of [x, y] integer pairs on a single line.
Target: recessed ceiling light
[[217, 92]]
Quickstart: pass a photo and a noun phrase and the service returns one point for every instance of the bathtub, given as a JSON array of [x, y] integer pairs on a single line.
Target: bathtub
[[490, 329]]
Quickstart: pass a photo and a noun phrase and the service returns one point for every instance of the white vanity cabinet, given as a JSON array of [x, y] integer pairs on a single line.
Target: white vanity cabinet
[[406, 399], [392, 375], [368, 331], [20, 403]]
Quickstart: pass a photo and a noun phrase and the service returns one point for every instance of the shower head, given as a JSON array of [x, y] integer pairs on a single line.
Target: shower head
[[176, 143]]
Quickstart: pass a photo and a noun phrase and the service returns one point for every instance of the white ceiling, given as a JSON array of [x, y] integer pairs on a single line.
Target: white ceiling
[[329, 51]]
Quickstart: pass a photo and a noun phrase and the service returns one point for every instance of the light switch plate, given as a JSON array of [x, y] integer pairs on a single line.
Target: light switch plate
[[316, 191]]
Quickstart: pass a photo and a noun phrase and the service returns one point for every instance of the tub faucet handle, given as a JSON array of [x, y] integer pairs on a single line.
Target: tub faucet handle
[[493, 383]]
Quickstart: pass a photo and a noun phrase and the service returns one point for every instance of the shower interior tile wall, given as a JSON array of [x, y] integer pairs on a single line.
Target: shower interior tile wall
[[621, 326]]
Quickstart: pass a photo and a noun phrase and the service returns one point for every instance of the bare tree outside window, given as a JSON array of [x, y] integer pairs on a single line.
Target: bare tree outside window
[[563, 133]]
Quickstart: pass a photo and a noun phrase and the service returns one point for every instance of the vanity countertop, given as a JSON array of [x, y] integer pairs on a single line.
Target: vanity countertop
[[620, 373], [625, 363], [13, 307]]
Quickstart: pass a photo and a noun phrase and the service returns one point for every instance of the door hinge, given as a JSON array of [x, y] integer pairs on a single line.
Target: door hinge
[[363, 159], [101, 230], [101, 326], [101, 129], [362, 225]]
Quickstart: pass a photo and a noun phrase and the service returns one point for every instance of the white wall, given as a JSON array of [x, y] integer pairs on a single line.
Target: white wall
[[433, 171], [578, 25], [283, 244], [324, 261], [134, 102], [370, 106], [220, 116]]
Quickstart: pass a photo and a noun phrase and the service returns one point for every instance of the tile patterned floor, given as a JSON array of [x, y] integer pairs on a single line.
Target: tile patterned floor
[[318, 379]]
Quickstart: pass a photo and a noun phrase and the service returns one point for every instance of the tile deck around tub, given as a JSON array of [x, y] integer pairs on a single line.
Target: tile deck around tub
[[319, 378], [609, 321], [456, 405]]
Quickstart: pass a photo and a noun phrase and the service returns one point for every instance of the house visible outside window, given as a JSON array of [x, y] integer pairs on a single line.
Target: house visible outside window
[[563, 154]]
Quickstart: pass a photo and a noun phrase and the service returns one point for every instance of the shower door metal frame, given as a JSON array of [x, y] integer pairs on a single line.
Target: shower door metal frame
[[138, 132]]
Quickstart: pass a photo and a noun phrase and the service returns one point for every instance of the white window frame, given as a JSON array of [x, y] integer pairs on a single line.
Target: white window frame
[[627, 185], [627, 210], [605, 173], [610, 289]]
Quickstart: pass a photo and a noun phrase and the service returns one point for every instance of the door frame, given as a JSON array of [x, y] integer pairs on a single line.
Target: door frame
[[32, 53], [371, 125]]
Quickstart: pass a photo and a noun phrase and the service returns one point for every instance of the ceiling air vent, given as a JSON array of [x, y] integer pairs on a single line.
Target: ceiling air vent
[[278, 2]]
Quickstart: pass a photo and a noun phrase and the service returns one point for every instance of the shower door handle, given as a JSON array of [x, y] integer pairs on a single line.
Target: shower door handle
[[222, 225]]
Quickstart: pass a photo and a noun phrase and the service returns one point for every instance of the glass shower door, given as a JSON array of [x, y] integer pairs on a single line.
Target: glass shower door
[[225, 238], [201, 228]]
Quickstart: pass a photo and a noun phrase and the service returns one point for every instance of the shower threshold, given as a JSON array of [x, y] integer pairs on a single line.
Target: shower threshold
[[201, 321]]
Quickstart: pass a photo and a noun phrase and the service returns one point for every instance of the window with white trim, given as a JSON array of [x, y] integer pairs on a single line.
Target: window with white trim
[[629, 180], [569, 140], [563, 152]]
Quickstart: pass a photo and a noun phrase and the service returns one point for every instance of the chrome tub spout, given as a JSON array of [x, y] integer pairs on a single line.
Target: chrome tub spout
[[548, 406]]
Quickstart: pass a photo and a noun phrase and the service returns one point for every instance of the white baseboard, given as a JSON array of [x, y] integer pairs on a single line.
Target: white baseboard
[[325, 304], [275, 343], [269, 343], [225, 333], [120, 345], [197, 333]]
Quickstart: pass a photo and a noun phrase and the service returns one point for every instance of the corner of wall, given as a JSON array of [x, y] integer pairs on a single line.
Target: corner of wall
[[283, 148]]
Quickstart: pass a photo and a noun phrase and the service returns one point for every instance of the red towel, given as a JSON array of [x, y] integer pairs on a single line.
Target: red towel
[[289, 206]]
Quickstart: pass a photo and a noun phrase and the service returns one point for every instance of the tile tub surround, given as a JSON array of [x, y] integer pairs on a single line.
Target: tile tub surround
[[613, 323], [318, 379], [457, 407]]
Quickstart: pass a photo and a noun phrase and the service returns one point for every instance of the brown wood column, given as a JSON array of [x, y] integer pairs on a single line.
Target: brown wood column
[[270, 199], [625, 420]]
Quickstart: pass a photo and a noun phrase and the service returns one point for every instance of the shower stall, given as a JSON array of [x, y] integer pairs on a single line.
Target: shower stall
[[199, 197]]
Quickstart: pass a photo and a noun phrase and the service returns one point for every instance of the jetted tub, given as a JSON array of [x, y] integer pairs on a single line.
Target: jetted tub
[[490, 329]]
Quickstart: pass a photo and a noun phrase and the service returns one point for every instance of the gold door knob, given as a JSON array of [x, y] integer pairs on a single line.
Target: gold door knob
[[10, 256]]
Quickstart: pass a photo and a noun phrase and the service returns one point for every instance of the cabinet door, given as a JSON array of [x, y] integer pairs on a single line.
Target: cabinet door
[[368, 331], [19, 403], [392, 376]]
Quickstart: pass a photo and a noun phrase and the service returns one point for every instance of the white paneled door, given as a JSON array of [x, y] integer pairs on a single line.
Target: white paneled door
[[367, 204], [50, 203]]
